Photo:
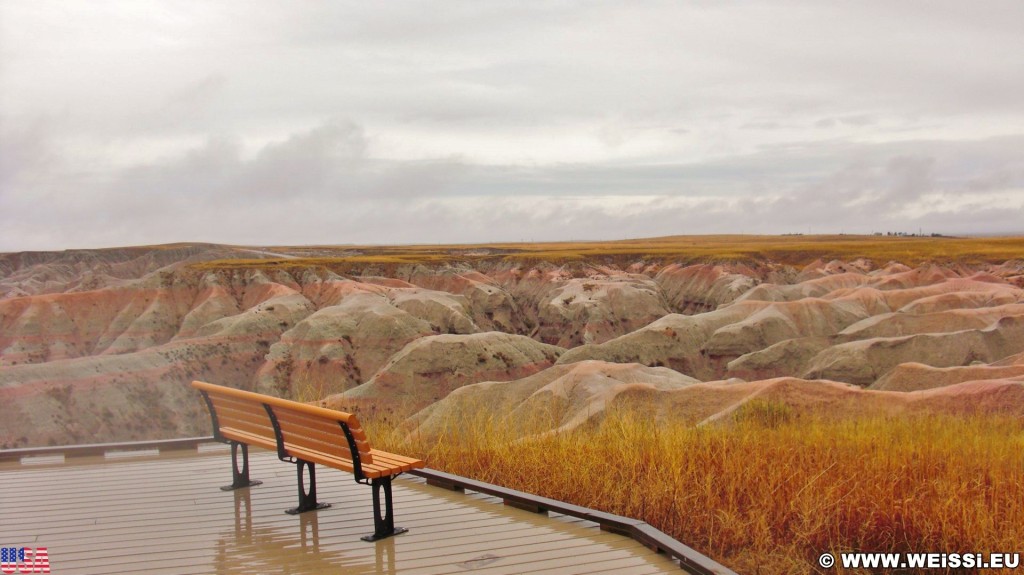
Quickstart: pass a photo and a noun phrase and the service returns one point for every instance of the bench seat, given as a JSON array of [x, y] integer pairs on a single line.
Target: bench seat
[[248, 438], [384, 464]]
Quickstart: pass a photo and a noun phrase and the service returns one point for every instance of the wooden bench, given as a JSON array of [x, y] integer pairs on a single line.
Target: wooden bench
[[304, 435]]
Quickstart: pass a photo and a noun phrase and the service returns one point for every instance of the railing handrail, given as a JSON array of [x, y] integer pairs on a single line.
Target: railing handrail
[[689, 559], [90, 449]]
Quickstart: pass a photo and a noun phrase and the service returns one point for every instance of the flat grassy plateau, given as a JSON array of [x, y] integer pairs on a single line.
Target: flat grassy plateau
[[787, 250]]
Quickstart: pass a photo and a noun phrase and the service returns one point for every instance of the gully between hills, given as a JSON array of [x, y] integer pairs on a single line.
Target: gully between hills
[[99, 346]]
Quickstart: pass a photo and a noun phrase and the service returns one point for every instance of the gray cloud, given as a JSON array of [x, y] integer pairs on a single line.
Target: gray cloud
[[320, 185], [149, 121]]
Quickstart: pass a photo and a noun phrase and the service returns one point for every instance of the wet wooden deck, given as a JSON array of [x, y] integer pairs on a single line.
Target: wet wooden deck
[[164, 513]]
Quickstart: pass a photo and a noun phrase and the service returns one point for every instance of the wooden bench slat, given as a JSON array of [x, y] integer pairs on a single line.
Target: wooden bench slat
[[332, 448], [358, 434], [227, 414], [264, 431], [373, 470], [248, 438], [253, 429], [385, 457], [391, 461], [304, 425], [321, 440], [314, 456], [239, 404], [230, 413], [389, 466], [400, 466], [384, 471]]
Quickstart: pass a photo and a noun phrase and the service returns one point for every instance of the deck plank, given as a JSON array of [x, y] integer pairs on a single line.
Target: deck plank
[[165, 513]]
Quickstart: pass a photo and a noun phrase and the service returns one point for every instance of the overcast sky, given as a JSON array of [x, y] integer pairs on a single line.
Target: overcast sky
[[258, 122]]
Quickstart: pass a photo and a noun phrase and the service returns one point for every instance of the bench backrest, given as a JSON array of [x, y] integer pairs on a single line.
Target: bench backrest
[[251, 418]]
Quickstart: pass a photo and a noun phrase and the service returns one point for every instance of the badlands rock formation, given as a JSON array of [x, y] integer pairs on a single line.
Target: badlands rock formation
[[569, 396], [561, 398], [913, 376], [429, 368], [100, 345]]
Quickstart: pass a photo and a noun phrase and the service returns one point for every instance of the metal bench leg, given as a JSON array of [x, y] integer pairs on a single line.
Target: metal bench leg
[[239, 478], [307, 499], [383, 525]]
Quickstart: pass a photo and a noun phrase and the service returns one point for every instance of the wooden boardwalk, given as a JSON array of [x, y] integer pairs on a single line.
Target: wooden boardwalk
[[164, 513]]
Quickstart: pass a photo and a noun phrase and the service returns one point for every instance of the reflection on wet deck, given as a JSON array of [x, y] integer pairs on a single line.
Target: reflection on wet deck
[[164, 513]]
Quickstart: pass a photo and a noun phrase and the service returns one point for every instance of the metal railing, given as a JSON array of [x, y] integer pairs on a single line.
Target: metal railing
[[93, 449], [689, 559]]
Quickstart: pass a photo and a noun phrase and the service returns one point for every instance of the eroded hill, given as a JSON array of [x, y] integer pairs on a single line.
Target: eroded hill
[[101, 345]]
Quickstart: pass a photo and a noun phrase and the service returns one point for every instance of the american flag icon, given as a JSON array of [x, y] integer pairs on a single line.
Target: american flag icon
[[24, 560]]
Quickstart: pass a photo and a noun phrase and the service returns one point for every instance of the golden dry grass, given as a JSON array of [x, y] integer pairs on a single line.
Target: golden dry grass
[[791, 250], [770, 491]]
